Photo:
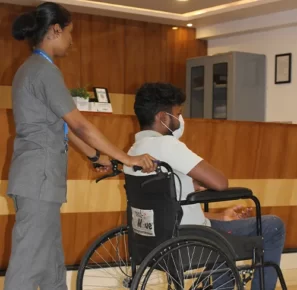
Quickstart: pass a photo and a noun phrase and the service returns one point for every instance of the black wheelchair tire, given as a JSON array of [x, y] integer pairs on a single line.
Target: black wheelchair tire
[[136, 280], [91, 250]]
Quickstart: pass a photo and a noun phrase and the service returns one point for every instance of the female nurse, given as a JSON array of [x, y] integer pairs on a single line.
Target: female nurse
[[45, 118]]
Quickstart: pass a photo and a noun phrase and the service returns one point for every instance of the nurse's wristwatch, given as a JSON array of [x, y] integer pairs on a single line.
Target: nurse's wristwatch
[[95, 158]]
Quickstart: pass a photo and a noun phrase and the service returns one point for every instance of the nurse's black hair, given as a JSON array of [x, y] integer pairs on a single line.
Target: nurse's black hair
[[152, 98], [33, 26]]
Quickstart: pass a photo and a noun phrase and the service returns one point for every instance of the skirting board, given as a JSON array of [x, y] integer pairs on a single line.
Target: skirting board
[[288, 265]]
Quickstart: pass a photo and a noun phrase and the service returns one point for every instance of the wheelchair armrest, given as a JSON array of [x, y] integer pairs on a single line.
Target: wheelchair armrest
[[208, 196]]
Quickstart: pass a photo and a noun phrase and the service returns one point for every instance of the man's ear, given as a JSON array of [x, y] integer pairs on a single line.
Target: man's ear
[[161, 116]]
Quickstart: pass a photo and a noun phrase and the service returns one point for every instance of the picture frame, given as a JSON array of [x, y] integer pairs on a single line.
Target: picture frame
[[101, 95], [283, 68]]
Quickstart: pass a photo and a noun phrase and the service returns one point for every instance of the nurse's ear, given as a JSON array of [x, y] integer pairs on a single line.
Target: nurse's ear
[[54, 32]]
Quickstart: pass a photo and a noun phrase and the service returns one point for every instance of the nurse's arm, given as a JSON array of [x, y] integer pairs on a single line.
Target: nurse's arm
[[90, 137], [81, 145]]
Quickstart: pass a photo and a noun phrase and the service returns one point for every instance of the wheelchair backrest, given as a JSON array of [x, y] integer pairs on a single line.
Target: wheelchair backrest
[[153, 212]]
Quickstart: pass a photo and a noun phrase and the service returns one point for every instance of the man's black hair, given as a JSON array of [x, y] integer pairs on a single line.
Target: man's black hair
[[152, 98]]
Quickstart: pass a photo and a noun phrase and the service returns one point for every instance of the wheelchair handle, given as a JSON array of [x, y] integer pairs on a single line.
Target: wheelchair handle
[[116, 171], [159, 165], [139, 168]]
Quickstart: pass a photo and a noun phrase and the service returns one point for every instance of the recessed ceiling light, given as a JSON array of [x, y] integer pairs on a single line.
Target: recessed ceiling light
[[189, 24], [174, 28]]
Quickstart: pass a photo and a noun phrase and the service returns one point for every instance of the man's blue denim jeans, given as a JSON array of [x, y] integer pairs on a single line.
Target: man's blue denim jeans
[[274, 238]]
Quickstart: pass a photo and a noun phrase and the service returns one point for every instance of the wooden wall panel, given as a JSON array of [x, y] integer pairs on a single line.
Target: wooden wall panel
[[114, 53]]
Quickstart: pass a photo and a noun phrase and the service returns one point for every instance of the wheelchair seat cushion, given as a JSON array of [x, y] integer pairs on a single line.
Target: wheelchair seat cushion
[[236, 247]]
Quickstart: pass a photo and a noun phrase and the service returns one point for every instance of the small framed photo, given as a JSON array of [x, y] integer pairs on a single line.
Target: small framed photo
[[283, 68], [101, 95]]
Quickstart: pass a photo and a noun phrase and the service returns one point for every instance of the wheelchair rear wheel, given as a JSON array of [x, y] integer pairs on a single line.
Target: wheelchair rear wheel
[[187, 262], [106, 264]]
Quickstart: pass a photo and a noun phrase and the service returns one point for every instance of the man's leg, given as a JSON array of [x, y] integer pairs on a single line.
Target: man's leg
[[274, 238], [34, 236]]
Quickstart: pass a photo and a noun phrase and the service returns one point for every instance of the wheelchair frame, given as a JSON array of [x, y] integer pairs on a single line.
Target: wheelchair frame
[[206, 197]]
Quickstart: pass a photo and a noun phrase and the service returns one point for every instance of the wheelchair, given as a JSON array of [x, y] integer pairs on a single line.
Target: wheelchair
[[153, 251]]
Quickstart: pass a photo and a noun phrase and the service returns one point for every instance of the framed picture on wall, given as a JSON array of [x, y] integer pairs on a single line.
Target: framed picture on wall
[[283, 68], [101, 95], [101, 102]]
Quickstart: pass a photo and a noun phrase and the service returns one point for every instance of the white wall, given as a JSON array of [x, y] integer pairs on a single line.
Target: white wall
[[281, 99]]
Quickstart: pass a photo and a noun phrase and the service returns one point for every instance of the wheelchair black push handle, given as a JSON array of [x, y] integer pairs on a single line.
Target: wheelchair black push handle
[[139, 168], [116, 171], [159, 165]]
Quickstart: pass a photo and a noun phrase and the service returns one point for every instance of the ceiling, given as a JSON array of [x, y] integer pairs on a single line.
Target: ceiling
[[174, 12], [172, 6]]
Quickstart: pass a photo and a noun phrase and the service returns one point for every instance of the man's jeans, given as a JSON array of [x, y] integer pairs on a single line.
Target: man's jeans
[[274, 238]]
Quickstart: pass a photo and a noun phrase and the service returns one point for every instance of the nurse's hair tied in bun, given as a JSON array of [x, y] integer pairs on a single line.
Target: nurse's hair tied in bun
[[33, 26]]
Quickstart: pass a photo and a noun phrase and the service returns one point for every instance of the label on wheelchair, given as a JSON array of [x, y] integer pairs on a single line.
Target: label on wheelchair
[[143, 222]]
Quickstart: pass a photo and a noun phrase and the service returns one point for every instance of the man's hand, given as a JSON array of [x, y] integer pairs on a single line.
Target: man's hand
[[236, 213], [231, 214], [198, 186], [105, 161]]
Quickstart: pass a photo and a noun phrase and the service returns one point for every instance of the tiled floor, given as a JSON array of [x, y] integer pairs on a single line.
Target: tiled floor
[[290, 276]]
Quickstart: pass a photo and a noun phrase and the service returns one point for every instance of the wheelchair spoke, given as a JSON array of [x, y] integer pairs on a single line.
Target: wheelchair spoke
[[189, 266]]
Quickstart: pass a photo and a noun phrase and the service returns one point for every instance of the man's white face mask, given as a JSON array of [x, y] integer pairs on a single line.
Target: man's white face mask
[[180, 131]]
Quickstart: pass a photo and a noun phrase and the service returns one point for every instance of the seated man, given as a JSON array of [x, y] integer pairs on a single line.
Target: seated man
[[158, 108]]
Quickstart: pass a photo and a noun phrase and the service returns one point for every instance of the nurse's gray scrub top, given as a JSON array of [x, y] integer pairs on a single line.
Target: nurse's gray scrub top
[[40, 99]]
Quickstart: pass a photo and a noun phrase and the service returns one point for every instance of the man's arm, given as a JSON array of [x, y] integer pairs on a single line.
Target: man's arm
[[182, 159], [208, 176]]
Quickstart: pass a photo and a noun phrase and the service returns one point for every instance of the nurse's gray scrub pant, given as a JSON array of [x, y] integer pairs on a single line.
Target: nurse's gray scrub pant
[[37, 257]]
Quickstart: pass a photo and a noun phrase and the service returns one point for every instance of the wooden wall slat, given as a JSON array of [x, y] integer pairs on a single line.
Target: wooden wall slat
[[12, 52], [86, 45], [116, 56], [70, 65], [134, 55], [153, 61]]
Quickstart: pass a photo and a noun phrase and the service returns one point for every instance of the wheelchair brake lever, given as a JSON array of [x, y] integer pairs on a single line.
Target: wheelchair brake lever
[[114, 173]]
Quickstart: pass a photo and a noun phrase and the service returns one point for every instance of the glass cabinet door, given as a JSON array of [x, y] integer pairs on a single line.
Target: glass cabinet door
[[197, 92], [220, 84]]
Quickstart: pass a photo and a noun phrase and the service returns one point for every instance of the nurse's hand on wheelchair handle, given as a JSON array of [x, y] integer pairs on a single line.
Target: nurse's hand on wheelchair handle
[[115, 168], [103, 164], [145, 161]]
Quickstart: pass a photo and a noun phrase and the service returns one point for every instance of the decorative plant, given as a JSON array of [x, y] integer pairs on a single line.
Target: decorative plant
[[80, 92]]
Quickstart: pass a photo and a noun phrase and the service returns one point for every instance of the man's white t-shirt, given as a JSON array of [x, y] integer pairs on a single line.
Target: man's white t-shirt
[[181, 159]]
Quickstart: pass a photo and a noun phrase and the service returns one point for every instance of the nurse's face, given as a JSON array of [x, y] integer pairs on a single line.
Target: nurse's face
[[63, 41]]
